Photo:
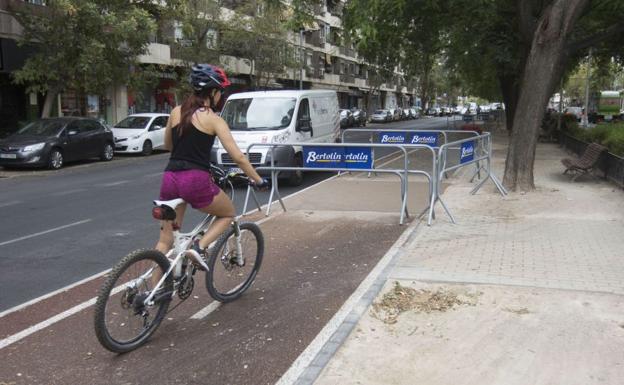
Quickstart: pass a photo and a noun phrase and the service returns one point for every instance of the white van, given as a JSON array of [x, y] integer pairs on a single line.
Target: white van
[[279, 117]]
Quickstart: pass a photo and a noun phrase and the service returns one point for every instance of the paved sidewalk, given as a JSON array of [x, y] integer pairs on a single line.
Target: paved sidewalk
[[526, 289]]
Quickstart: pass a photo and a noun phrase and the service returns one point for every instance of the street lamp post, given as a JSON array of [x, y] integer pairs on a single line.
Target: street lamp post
[[585, 116], [301, 53]]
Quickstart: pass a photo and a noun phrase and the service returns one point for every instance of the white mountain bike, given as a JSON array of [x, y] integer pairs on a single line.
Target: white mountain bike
[[136, 295]]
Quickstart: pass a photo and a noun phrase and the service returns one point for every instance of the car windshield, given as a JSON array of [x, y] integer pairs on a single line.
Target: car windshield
[[380, 111], [251, 114], [43, 128], [133, 122]]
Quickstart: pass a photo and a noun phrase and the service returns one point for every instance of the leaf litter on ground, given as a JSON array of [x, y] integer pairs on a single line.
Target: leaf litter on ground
[[401, 299]]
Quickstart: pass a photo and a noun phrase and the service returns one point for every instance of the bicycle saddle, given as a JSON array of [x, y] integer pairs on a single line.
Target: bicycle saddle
[[165, 210]]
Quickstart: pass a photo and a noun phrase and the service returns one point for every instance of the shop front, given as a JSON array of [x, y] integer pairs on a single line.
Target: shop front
[[160, 98]]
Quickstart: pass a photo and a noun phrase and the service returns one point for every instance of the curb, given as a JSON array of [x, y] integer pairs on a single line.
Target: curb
[[311, 362]]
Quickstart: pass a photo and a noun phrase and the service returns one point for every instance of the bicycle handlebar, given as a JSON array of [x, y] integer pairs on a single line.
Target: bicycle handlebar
[[221, 177]]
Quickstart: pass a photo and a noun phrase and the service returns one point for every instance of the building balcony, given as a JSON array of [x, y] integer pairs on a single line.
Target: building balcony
[[157, 54]]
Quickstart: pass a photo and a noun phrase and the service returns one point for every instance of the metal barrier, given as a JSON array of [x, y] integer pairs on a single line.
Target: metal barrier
[[401, 173], [374, 131], [469, 154], [473, 150]]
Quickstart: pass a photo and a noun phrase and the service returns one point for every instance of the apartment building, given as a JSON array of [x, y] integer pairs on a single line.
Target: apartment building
[[326, 60]]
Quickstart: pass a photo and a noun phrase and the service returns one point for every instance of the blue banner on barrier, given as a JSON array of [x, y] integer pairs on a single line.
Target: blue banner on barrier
[[406, 137], [393, 137], [428, 138], [358, 157], [338, 157], [467, 152]]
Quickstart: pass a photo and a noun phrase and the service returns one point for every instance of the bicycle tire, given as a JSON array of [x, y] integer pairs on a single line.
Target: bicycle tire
[[112, 288], [218, 262]]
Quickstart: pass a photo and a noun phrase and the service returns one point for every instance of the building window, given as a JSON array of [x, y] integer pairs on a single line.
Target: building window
[[36, 2], [323, 33], [178, 34], [211, 39]]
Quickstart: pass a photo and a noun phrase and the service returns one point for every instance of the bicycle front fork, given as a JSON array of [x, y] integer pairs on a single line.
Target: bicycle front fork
[[239, 248]]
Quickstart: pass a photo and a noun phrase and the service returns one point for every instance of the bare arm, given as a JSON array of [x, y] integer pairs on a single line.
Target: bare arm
[[174, 119], [225, 136]]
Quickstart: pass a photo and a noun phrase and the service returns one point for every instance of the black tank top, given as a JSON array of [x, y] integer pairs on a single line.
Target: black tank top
[[191, 150]]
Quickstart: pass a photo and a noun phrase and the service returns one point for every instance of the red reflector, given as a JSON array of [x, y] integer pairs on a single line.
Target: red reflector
[[158, 213]]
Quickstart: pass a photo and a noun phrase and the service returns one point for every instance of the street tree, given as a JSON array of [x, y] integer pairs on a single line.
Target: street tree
[[524, 46], [256, 33], [85, 45], [199, 22]]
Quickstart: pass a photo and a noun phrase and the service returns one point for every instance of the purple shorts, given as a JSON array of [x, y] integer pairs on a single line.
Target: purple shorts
[[196, 187]]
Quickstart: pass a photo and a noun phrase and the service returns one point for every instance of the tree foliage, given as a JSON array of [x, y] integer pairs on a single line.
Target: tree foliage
[[512, 49], [260, 40], [200, 22], [86, 45]]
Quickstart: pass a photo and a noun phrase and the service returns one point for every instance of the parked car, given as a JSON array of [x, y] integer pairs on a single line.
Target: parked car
[[394, 112], [279, 117], [359, 117], [54, 141], [382, 116], [140, 133], [346, 119]]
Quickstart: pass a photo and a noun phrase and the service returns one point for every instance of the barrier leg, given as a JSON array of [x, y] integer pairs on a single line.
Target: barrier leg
[[255, 197], [477, 173], [246, 200], [274, 191], [499, 185], [279, 197], [447, 210], [268, 210], [477, 187], [403, 200]]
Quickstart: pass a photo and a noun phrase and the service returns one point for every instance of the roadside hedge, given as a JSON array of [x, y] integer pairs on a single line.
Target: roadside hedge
[[610, 135]]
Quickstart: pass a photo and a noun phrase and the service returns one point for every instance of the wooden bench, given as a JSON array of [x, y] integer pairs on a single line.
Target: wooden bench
[[586, 163]]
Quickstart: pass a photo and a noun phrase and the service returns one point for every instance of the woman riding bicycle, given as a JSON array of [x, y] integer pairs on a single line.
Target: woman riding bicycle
[[190, 135]]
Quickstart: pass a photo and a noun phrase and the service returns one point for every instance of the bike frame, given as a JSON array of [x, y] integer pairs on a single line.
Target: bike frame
[[181, 243]]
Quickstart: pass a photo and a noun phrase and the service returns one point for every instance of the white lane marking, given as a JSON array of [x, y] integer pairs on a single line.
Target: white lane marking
[[45, 232], [11, 203], [52, 293], [44, 324], [309, 354], [114, 183], [69, 192], [207, 310], [153, 175]]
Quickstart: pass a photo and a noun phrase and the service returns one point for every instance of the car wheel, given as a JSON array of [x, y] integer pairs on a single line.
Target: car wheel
[[55, 161], [147, 148], [107, 152], [296, 177]]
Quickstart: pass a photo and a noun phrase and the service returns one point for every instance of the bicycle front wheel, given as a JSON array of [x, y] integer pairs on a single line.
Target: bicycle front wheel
[[122, 321], [228, 277]]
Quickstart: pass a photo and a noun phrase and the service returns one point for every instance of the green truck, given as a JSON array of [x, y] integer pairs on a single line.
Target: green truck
[[610, 105]]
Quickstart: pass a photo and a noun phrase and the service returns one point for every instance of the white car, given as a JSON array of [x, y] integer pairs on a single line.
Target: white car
[[140, 133]]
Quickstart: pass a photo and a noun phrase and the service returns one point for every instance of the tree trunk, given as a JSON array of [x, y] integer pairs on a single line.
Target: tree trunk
[[542, 71], [509, 90], [48, 104]]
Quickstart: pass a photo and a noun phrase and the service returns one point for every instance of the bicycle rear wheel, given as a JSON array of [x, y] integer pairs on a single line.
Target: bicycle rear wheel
[[122, 321], [226, 280]]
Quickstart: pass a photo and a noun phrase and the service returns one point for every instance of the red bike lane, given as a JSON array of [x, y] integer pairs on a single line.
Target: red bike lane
[[313, 262]]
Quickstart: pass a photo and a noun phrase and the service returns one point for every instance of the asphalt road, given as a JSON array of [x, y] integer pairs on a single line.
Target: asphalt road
[[60, 227]]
